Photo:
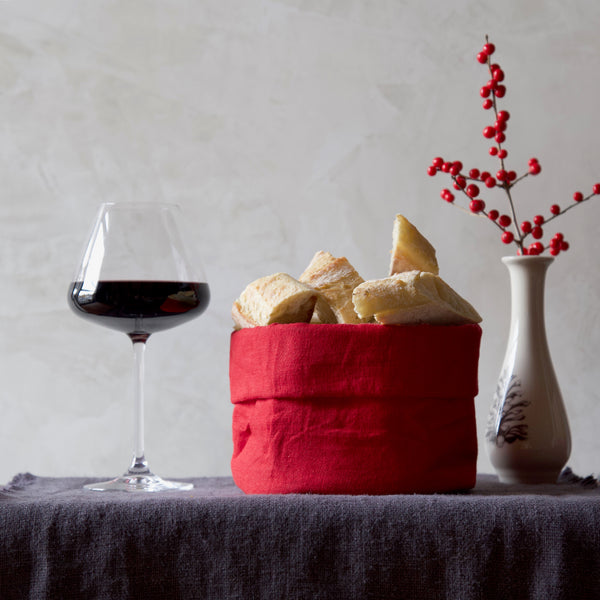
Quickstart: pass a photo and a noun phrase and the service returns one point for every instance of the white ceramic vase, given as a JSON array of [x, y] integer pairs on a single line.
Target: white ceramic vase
[[528, 437]]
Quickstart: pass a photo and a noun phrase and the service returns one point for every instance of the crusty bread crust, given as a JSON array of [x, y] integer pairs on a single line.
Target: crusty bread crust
[[277, 298], [335, 280], [241, 320], [411, 298]]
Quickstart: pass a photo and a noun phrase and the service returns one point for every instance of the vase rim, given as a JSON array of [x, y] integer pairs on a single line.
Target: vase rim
[[536, 258]]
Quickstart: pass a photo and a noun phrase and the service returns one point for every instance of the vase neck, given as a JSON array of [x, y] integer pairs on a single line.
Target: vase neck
[[527, 279]]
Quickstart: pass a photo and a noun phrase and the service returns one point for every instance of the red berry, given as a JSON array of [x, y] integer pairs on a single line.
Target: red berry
[[488, 48], [525, 226], [532, 161], [500, 137], [500, 91], [487, 104], [498, 75], [461, 182], [484, 175], [508, 237], [474, 173], [472, 190], [536, 248], [500, 125], [504, 220], [511, 175], [578, 196], [447, 195], [482, 57], [503, 115], [454, 169], [493, 214], [559, 236], [431, 171], [555, 209], [537, 232], [446, 167], [476, 206], [489, 132], [493, 151], [437, 162], [554, 251], [554, 243], [484, 92], [534, 168], [490, 182], [596, 188], [502, 153], [538, 220], [564, 246], [501, 175]]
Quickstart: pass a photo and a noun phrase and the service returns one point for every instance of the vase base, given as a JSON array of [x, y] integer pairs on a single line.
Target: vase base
[[527, 477]]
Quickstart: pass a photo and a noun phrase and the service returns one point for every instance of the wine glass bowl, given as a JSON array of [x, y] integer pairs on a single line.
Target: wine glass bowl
[[137, 277]]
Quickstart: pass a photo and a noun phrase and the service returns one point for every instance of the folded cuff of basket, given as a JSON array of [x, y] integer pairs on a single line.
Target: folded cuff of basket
[[354, 408]]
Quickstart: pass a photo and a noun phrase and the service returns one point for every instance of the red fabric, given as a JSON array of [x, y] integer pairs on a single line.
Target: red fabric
[[354, 409]]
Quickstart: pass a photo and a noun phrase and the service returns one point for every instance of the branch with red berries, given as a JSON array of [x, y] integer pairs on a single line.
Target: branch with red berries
[[467, 184]]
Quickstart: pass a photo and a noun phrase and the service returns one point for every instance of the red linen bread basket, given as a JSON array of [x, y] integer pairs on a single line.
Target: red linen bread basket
[[354, 409]]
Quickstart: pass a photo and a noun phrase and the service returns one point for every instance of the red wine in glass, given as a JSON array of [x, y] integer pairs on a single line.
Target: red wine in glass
[[140, 307]]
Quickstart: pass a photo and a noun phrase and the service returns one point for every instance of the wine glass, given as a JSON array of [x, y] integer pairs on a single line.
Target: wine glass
[[136, 277]]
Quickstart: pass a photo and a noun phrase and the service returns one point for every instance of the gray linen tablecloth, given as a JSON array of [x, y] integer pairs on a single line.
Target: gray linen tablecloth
[[497, 541]]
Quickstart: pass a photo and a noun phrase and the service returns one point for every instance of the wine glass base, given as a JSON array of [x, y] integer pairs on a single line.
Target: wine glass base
[[147, 482]]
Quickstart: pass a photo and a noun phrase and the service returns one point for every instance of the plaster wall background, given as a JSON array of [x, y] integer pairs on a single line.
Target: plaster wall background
[[281, 127]]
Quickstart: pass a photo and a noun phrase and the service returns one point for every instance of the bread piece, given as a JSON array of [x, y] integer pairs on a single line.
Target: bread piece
[[277, 298], [410, 250], [335, 280], [410, 298]]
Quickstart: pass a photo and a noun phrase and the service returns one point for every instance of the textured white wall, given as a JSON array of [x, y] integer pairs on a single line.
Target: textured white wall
[[281, 127]]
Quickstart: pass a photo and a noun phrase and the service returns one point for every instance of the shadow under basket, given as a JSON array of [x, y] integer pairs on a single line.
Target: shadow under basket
[[354, 409]]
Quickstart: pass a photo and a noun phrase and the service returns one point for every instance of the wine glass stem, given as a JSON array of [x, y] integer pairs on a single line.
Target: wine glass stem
[[139, 464]]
